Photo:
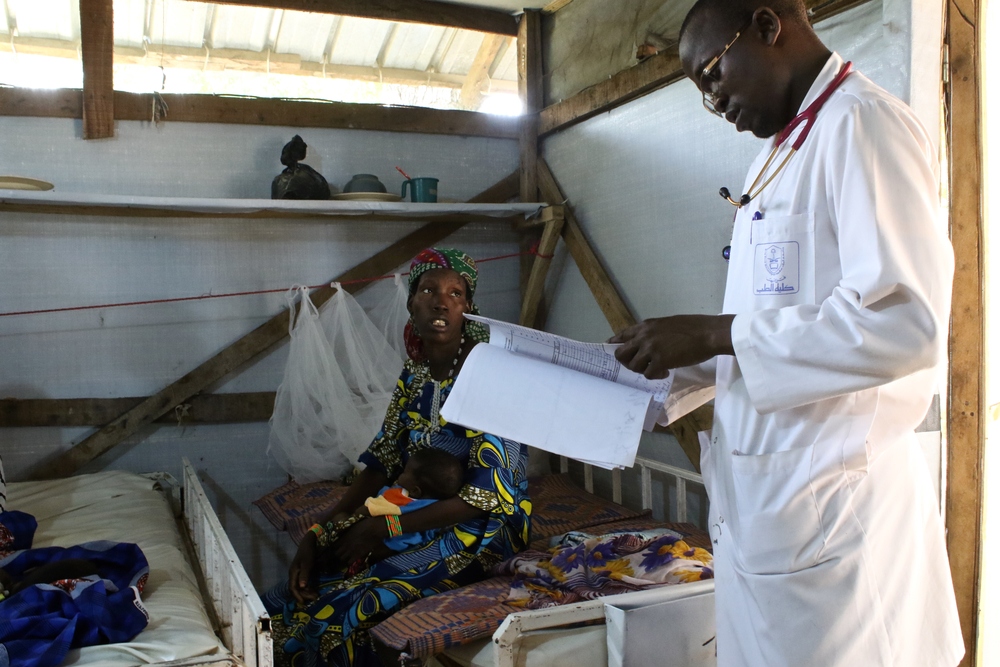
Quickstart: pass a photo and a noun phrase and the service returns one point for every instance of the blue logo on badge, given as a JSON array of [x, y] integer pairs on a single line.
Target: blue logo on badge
[[774, 260], [776, 268]]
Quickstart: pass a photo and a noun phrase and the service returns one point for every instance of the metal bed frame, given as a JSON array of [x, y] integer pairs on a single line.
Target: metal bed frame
[[507, 638], [244, 625]]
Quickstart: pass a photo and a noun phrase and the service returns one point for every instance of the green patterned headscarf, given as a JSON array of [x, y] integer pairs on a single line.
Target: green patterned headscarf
[[463, 265]]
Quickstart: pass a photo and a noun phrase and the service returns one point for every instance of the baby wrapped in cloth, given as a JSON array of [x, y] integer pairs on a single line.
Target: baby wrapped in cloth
[[430, 475]]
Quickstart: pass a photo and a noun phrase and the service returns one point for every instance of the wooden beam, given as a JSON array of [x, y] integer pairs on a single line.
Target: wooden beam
[[539, 270], [966, 436], [199, 409], [241, 60], [471, 96], [244, 349], [426, 12], [97, 38], [603, 288], [613, 305], [555, 5], [66, 103], [531, 90], [651, 74]]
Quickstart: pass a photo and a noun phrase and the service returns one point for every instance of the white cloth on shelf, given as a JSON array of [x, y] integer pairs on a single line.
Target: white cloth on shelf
[[828, 541]]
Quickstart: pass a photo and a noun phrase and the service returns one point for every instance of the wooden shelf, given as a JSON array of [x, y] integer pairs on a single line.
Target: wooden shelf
[[16, 201]]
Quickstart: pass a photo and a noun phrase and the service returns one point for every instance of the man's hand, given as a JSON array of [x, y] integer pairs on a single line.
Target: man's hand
[[360, 540], [301, 568], [653, 347]]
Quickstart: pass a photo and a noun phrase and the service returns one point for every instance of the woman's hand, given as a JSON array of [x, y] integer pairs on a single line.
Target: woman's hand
[[361, 540], [301, 568]]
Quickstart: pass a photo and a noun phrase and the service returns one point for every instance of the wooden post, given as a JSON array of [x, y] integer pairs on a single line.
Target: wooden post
[[529, 86], [250, 345], [97, 35], [966, 390]]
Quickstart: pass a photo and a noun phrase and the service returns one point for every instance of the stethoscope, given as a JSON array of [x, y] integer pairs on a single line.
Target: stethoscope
[[809, 118]]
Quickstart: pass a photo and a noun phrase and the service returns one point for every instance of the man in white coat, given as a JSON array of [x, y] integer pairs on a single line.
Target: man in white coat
[[828, 541]]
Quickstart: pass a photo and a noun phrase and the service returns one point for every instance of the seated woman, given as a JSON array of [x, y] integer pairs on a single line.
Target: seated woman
[[324, 612]]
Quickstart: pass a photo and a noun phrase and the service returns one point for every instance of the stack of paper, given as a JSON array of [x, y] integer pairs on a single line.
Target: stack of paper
[[559, 395]]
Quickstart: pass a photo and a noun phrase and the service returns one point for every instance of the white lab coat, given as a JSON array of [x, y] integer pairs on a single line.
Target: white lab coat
[[829, 544]]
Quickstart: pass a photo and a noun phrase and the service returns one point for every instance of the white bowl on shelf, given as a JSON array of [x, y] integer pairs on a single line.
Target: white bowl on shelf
[[22, 183]]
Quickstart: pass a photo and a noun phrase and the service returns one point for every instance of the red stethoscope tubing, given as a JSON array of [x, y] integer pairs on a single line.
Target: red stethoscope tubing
[[809, 118], [809, 115]]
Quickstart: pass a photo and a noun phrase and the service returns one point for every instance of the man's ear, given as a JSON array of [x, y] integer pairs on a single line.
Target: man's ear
[[766, 26]]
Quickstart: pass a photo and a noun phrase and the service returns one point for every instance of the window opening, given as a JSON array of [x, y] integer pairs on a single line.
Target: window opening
[[205, 48]]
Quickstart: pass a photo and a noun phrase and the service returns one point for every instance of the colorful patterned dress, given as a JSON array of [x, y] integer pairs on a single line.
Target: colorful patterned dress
[[335, 626]]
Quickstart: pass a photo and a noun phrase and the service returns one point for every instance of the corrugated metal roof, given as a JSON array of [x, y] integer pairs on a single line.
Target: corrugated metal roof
[[427, 54]]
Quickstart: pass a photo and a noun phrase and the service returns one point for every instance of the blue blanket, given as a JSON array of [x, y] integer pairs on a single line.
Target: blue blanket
[[41, 623]]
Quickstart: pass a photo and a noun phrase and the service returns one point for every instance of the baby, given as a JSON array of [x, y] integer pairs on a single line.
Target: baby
[[429, 475]]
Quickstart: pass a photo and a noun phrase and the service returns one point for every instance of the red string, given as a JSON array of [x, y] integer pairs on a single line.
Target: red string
[[533, 251]]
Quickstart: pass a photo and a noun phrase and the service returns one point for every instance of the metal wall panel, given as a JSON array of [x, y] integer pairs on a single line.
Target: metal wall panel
[[57, 261], [644, 181]]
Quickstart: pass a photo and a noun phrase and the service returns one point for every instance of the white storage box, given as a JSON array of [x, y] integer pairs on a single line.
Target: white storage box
[[667, 627]]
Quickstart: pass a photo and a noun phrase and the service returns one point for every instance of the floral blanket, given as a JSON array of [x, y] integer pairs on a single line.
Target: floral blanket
[[584, 569]]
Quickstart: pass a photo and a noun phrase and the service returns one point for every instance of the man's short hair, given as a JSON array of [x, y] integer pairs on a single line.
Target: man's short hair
[[439, 474], [738, 13]]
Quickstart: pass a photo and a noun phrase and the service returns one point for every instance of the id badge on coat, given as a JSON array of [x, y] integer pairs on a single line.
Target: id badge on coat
[[783, 266]]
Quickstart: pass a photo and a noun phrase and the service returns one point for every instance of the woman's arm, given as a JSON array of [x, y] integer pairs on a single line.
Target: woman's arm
[[367, 535], [368, 482]]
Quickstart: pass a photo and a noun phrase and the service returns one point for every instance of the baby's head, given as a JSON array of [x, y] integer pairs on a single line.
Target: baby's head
[[432, 474]]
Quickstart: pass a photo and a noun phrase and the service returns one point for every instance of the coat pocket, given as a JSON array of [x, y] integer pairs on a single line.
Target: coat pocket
[[784, 268], [779, 525]]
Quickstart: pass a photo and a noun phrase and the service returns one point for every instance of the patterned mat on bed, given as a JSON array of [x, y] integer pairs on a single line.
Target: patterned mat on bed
[[457, 617], [429, 626]]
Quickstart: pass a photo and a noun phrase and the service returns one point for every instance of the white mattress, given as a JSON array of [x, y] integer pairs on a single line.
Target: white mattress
[[124, 507]]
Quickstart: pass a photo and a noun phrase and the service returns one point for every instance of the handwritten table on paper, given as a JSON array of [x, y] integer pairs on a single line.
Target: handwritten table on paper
[[556, 394]]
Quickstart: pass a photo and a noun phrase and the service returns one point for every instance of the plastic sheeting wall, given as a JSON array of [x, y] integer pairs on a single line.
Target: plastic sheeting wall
[[52, 261], [644, 182]]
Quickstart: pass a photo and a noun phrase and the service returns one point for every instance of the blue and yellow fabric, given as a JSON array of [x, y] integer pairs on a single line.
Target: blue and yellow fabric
[[334, 629]]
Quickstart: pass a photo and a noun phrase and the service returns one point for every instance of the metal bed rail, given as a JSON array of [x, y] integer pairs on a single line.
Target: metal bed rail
[[245, 625], [646, 468]]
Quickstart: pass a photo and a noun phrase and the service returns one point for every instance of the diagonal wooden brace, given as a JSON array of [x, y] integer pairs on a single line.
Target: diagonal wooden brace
[[613, 305], [254, 343], [539, 270]]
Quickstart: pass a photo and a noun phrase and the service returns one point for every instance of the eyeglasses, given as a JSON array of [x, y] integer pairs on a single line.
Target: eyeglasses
[[710, 99]]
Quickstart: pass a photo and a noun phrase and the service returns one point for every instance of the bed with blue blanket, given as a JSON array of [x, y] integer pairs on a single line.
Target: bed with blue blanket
[[126, 523]]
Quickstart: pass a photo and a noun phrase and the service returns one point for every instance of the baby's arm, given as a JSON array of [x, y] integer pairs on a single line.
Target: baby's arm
[[71, 568]]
